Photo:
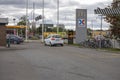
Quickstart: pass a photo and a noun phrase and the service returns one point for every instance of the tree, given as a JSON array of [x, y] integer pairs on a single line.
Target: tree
[[47, 29], [115, 24], [89, 32], [39, 30], [22, 22]]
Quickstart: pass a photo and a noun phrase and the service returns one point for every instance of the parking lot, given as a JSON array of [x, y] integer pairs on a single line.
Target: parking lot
[[34, 61]]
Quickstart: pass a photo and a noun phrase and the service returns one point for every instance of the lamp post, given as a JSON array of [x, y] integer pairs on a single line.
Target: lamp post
[[43, 21]]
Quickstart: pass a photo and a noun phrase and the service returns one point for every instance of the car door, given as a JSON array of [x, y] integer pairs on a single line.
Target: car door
[[47, 40], [12, 38]]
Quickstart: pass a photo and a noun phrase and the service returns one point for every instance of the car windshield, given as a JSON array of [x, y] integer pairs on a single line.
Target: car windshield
[[56, 36]]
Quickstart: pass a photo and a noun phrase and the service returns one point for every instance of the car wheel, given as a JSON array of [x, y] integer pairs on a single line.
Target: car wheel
[[62, 45], [51, 44], [18, 42], [45, 44]]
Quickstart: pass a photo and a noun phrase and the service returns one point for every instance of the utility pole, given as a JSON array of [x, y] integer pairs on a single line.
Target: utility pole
[[101, 24], [100, 45], [33, 23], [33, 11], [14, 27], [92, 27], [57, 16], [26, 20], [43, 21]]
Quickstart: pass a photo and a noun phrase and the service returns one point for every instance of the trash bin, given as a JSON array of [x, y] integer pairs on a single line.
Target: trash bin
[[70, 37], [70, 40]]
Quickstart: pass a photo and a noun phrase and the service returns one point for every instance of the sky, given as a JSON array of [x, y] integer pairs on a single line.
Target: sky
[[67, 11]]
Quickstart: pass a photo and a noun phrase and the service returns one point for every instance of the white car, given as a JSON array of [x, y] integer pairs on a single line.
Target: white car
[[54, 39]]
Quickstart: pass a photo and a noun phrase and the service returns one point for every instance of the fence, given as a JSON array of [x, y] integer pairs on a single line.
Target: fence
[[116, 43], [92, 43]]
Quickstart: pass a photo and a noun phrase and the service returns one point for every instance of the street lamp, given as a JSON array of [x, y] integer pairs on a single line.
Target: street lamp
[[14, 27]]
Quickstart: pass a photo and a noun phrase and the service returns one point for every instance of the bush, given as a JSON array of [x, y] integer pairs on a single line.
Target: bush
[[34, 38]]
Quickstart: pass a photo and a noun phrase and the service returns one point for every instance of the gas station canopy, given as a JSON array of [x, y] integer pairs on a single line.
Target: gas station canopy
[[16, 27]]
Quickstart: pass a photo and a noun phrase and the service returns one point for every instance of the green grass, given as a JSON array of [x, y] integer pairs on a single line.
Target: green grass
[[111, 49], [77, 45], [74, 44], [106, 49]]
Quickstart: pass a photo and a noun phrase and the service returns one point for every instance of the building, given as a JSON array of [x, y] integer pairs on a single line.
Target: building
[[3, 22], [97, 32], [47, 25], [61, 26]]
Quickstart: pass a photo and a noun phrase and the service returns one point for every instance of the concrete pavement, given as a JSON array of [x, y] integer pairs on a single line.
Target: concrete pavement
[[34, 61]]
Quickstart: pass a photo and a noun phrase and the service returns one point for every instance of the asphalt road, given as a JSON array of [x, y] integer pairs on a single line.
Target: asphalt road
[[34, 61]]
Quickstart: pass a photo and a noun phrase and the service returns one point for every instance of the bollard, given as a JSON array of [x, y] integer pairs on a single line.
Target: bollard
[[8, 42]]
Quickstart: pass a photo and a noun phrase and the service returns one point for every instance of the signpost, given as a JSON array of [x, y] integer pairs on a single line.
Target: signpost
[[81, 22], [81, 25]]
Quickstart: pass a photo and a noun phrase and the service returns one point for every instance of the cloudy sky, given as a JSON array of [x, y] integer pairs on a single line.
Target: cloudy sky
[[17, 8]]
